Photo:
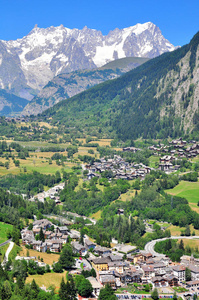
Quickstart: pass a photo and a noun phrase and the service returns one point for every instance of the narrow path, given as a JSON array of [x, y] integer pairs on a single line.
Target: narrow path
[[149, 247], [7, 253], [6, 242]]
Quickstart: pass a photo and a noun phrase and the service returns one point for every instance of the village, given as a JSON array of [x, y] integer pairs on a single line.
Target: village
[[119, 266], [169, 155]]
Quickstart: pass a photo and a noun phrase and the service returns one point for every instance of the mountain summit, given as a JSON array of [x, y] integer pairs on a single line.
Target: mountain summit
[[27, 64]]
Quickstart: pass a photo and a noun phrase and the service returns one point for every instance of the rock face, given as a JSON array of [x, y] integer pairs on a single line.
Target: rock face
[[27, 64], [67, 85]]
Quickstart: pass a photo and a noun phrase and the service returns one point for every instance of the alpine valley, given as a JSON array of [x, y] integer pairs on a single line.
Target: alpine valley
[[99, 190]]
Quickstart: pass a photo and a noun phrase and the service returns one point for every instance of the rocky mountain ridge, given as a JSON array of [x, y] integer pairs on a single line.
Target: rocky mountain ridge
[[64, 86], [28, 64]]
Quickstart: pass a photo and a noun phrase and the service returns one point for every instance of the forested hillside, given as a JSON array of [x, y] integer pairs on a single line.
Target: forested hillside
[[155, 100]]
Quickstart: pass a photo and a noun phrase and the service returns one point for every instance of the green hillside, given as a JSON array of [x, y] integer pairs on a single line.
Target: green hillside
[[156, 100], [66, 85], [11, 104], [125, 62]]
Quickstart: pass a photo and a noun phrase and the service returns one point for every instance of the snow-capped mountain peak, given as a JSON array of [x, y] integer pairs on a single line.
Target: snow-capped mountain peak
[[46, 52]]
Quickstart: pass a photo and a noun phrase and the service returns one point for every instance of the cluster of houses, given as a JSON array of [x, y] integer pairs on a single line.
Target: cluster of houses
[[131, 149], [139, 267], [176, 150], [119, 167], [55, 237], [52, 193], [117, 266]]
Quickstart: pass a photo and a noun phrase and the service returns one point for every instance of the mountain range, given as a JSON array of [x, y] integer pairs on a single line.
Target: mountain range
[[66, 85], [29, 63], [158, 99]]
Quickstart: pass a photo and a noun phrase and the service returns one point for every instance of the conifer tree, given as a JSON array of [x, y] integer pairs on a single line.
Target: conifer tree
[[41, 235], [154, 294], [34, 289], [73, 290], [63, 290], [107, 293]]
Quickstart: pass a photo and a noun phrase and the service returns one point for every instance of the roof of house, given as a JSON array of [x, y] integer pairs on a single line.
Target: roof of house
[[171, 277], [147, 268], [107, 278], [89, 243], [179, 268], [77, 246], [101, 260], [63, 228], [116, 264], [95, 284], [193, 268], [158, 278], [102, 249]]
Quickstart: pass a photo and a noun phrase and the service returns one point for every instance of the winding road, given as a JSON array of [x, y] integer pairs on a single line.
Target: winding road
[[149, 247], [3, 244], [5, 260]]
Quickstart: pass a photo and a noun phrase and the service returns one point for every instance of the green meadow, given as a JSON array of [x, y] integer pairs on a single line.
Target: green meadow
[[186, 189], [4, 228]]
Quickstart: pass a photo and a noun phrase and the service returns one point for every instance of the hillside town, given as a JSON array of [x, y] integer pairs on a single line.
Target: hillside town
[[117, 266]]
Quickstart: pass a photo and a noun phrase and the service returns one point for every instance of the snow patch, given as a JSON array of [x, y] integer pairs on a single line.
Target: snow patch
[[1, 84], [139, 28], [62, 57]]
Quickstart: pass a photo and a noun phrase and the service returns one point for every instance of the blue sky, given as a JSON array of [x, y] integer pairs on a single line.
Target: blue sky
[[177, 19]]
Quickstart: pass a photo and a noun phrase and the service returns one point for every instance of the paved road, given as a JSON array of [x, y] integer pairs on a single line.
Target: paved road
[[149, 247], [7, 253], [3, 244], [86, 264]]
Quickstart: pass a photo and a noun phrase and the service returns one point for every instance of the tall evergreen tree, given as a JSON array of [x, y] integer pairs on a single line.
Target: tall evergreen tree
[[107, 293], [181, 246], [63, 290], [155, 295], [73, 290], [41, 235], [66, 257], [34, 289]]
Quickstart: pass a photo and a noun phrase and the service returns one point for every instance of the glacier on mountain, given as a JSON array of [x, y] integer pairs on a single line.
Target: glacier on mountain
[[46, 52]]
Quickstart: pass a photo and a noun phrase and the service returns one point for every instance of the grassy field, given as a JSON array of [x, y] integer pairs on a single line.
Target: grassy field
[[47, 258], [103, 142], [4, 228], [97, 215], [194, 207], [195, 159], [3, 251], [14, 252], [36, 162], [48, 279], [84, 151], [176, 230], [153, 160], [127, 196], [186, 189], [191, 243]]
